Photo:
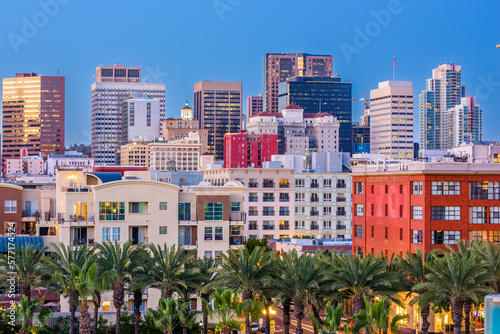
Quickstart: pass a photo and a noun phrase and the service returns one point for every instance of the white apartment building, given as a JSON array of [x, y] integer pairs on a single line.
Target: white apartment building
[[323, 205], [391, 119], [463, 123], [268, 199], [176, 155], [70, 159], [142, 120], [298, 132], [33, 165], [113, 86]]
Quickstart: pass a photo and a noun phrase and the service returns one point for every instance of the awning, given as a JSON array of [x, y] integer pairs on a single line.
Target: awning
[[107, 176], [20, 241]]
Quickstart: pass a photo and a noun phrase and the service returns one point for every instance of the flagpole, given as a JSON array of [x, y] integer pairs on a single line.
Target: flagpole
[[394, 70]]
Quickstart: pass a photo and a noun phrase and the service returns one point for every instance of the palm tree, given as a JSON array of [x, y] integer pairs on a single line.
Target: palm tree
[[246, 271], [166, 269], [27, 309], [377, 315], [85, 281], [137, 286], [58, 267], [26, 262], [357, 277], [489, 254], [415, 268], [301, 275], [333, 319], [170, 315], [226, 307], [117, 263], [207, 274], [455, 279], [189, 290]]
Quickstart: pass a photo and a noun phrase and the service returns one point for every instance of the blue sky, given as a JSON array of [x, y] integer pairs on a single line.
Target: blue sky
[[188, 41]]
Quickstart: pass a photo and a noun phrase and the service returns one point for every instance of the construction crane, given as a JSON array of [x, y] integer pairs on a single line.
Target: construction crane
[[363, 99]]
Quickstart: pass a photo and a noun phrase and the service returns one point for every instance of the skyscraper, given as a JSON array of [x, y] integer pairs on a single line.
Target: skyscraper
[[115, 84], [280, 66], [321, 95], [463, 122], [142, 118], [254, 105], [443, 91], [391, 119], [217, 105], [33, 115]]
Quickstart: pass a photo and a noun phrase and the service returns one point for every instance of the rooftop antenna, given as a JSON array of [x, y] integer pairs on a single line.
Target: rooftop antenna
[[137, 62]]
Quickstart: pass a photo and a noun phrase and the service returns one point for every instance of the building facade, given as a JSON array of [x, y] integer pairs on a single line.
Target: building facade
[[218, 108], [463, 123], [360, 138], [408, 206], [135, 153], [68, 160], [113, 86], [179, 155], [321, 95], [443, 91], [244, 150], [33, 115], [268, 199], [33, 165], [391, 119], [254, 105], [141, 118], [278, 67]]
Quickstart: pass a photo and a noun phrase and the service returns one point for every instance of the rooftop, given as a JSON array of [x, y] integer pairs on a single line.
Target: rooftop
[[417, 167]]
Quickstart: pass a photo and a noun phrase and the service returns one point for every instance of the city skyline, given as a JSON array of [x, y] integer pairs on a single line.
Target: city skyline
[[364, 62]]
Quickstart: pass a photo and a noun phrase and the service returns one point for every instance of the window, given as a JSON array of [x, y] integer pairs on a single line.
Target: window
[[284, 183], [359, 210], [386, 189], [359, 251], [268, 197], [478, 235], [268, 211], [340, 183], [417, 187], [494, 215], [284, 211], [341, 211], [327, 183], [417, 236], [184, 211], [284, 197], [117, 235], [106, 306], [268, 183], [314, 183], [208, 233], [327, 210], [300, 224], [314, 225], [252, 183], [137, 207], [327, 197], [386, 233], [213, 211], [252, 225], [496, 158], [142, 308], [111, 234], [300, 183], [163, 230], [401, 211], [401, 189], [219, 233], [300, 210], [445, 188], [268, 225], [373, 189], [341, 226], [327, 225], [445, 213], [10, 206], [235, 207], [111, 210], [495, 237], [359, 231], [386, 210], [417, 212], [373, 231], [478, 215], [163, 205], [358, 187], [208, 254], [445, 237], [400, 234], [314, 211], [314, 197], [484, 190], [373, 209], [299, 197], [252, 211], [252, 197], [341, 197], [284, 225]]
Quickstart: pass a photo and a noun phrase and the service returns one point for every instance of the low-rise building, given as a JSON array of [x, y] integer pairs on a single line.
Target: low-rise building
[[68, 160], [243, 150], [310, 245], [177, 155], [33, 165], [135, 153]]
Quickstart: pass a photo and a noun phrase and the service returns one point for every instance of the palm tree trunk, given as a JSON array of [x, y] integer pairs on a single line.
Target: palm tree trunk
[[97, 303], [25, 290], [204, 310], [168, 293], [316, 315], [456, 316], [137, 309], [84, 317], [467, 307], [299, 315], [424, 314], [268, 317], [118, 301], [358, 303], [185, 329], [72, 310], [246, 295], [286, 314]]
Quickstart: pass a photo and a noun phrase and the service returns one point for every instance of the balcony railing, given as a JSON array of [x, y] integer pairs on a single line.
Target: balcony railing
[[236, 216], [314, 227], [253, 213], [341, 227], [341, 199], [341, 185], [284, 227], [81, 242], [268, 227], [236, 241], [252, 227]]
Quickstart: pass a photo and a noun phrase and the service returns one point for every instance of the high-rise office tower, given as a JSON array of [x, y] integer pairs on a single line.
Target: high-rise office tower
[[391, 119], [463, 122], [254, 105], [443, 91], [320, 95], [115, 84], [217, 105], [33, 115], [280, 66], [142, 118]]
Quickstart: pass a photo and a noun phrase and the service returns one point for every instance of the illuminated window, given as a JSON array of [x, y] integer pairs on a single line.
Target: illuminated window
[[106, 306], [111, 210]]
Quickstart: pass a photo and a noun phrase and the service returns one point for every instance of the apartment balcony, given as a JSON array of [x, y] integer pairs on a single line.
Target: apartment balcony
[[284, 227], [77, 189], [341, 185], [253, 227], [188, 222], [82, 242], [314, 227], [236, 218], [341, 199], [30, 216], [145, 241], [236, 240], [268, 227]]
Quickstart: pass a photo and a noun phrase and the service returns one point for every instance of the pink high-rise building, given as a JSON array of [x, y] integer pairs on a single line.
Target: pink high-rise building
[[281, 66], [254, 105]]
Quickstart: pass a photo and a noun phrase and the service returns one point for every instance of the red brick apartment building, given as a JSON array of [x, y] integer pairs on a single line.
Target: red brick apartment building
[[405, 206], [242, 150]]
